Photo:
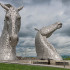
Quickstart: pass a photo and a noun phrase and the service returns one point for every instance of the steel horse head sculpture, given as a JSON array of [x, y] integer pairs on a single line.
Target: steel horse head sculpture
[[44, 49], [9, 36]]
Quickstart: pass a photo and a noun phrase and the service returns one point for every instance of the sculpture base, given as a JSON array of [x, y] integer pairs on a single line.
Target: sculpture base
[[51, 62], [38, 62]]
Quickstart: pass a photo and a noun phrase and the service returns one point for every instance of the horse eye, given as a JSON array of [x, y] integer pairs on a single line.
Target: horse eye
[[7, 17], [19, 18]]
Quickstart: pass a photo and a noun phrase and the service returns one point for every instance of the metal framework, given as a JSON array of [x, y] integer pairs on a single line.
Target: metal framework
[[44, 49]]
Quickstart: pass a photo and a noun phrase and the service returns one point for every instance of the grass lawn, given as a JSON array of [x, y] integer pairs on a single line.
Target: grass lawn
[[66, 58], [4, 66]]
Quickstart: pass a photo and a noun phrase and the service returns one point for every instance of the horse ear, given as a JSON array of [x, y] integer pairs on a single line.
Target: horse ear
[[20, 8], [36, 29], [4, 6]]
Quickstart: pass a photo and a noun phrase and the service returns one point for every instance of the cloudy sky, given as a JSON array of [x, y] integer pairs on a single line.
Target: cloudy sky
[[36, 14]]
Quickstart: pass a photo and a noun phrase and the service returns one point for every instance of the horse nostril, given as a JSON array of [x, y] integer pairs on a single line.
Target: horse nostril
[[17, 39], [10, 39], [60, 24]]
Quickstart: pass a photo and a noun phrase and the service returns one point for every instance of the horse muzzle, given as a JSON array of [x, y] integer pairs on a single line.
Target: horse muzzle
[[59, 25], [14, 38]]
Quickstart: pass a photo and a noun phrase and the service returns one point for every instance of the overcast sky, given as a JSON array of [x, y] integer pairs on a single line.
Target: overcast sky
[[39, 13]]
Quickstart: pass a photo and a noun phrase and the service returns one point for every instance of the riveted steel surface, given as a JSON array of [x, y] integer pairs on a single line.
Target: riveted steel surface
[[44, 49], [9, 36]]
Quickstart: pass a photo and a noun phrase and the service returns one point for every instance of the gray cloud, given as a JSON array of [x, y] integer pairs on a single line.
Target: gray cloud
[[35, 2], [26, 42], [26, 47], [26, 52], [66, 31], [41, 1], [18, 3], [6, 0], [66, 2], [28, 31]]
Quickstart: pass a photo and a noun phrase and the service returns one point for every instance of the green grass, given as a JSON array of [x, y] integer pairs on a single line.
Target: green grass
[[66, 58], [4, 66]]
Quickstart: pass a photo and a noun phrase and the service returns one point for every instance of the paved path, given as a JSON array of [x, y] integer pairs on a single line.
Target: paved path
[[21, 62]]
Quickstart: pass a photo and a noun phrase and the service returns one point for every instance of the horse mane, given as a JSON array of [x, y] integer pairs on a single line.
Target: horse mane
[[8, 5]]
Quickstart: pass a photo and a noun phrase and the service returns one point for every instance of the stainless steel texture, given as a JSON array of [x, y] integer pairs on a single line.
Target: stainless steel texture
[[9, 36], [44, 49]]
